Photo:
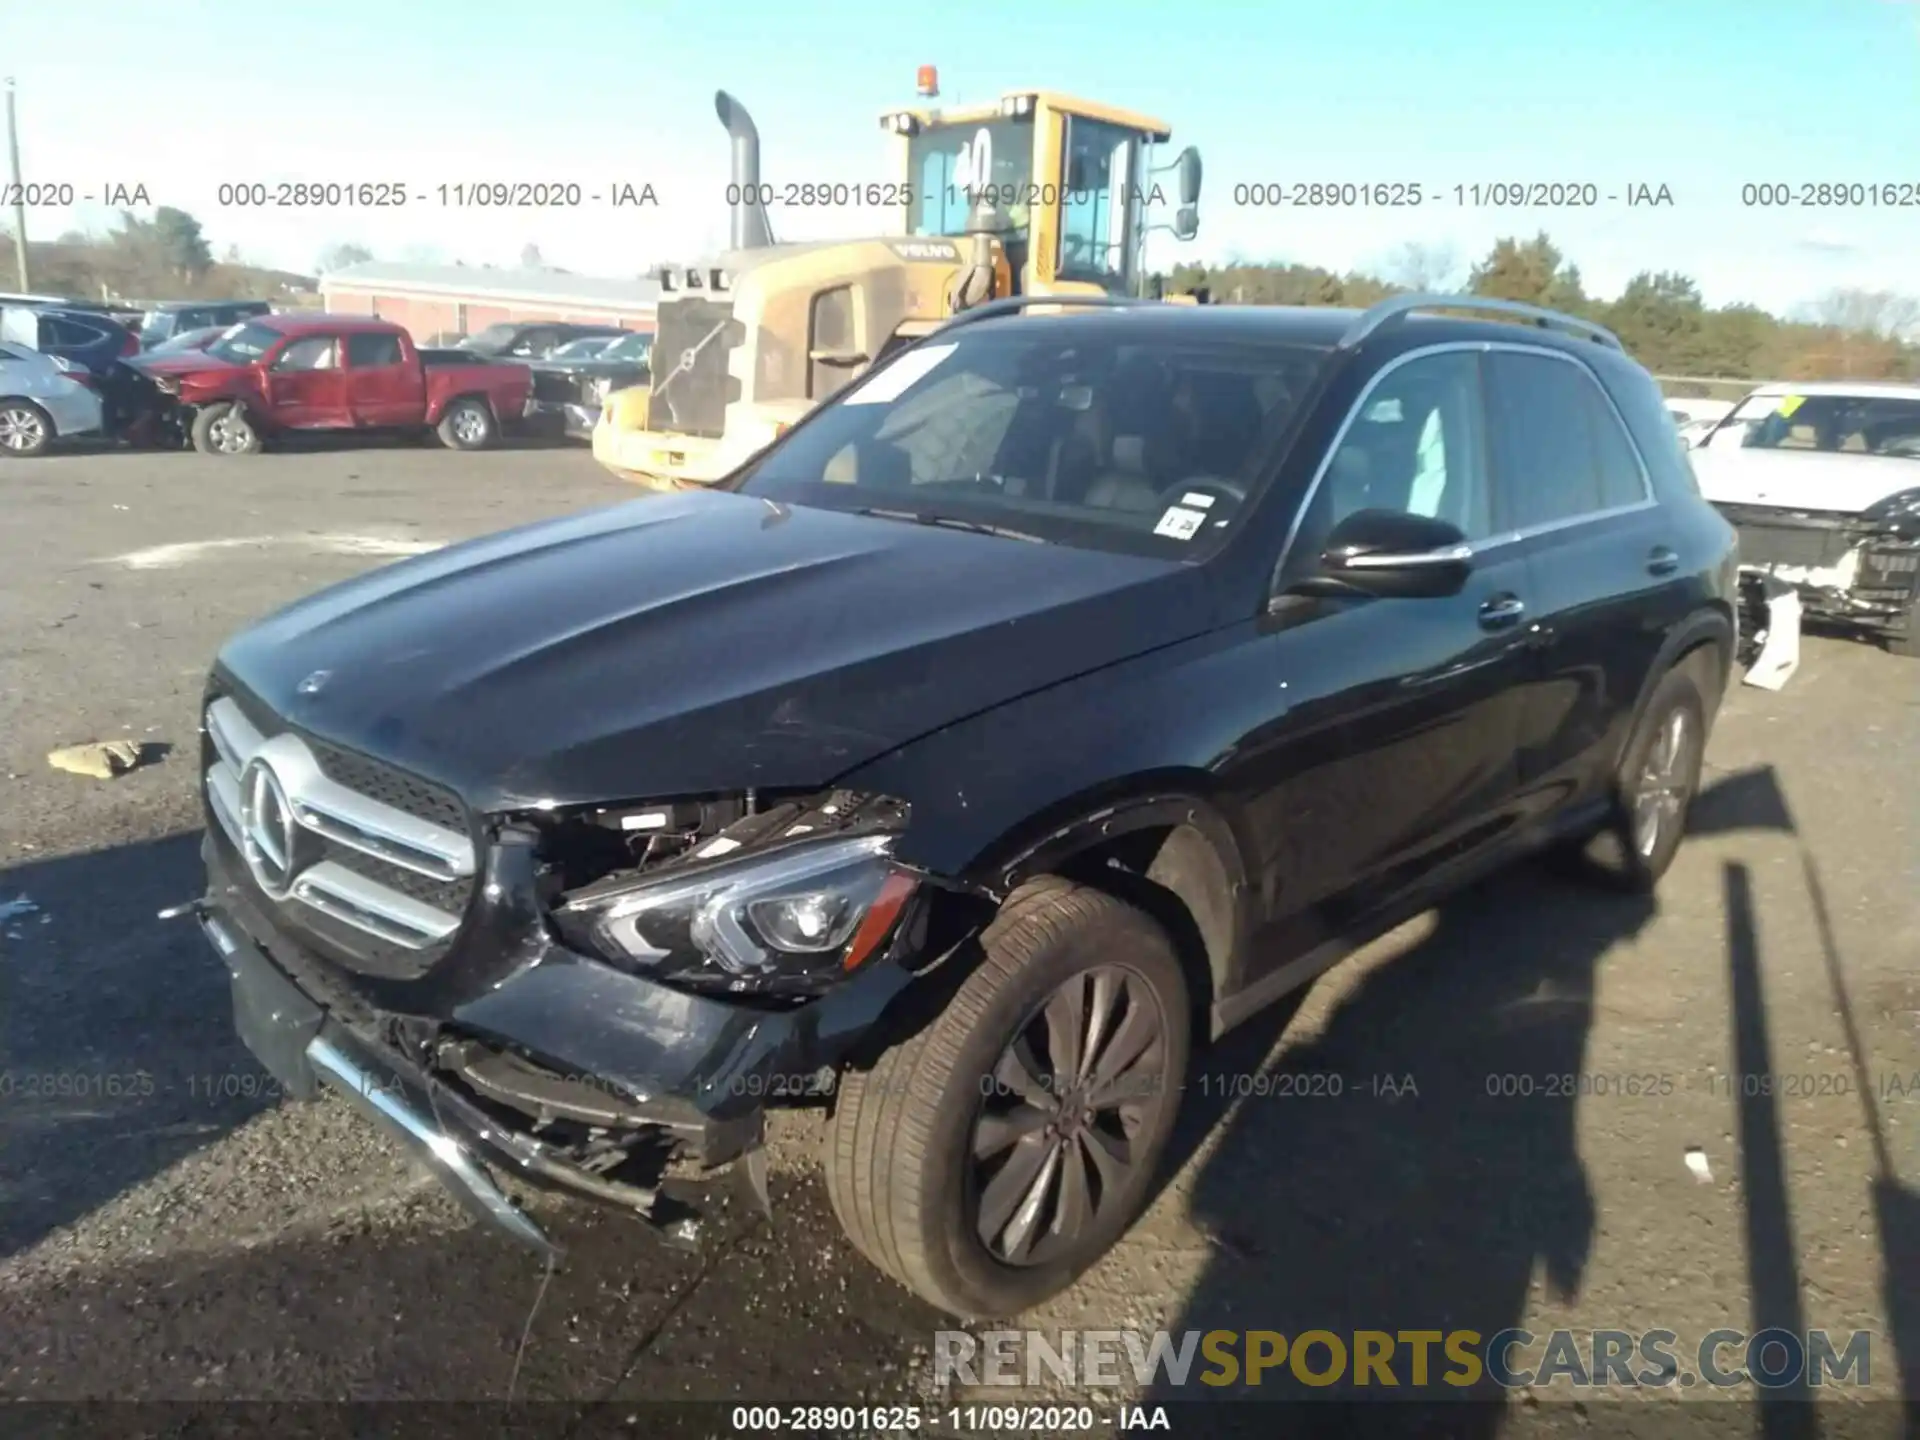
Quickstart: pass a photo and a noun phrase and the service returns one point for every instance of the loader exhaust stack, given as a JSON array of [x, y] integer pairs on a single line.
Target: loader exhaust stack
[[750, 229]]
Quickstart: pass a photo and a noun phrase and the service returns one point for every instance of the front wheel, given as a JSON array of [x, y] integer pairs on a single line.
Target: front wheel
[[468, 425], [25, 429], [990, 1160], [1906, 641], [225, 429]]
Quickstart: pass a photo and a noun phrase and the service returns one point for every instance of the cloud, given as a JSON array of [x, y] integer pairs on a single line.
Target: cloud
[[1826, 242]]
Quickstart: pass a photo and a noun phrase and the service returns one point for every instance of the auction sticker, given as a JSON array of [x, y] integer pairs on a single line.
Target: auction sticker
[[1180, 522], [894, 379]]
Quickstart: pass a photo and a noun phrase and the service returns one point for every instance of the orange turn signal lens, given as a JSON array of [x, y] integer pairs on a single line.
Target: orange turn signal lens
[[880, 919]]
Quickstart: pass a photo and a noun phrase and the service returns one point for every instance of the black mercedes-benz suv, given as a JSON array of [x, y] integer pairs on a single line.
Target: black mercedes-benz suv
[[1052, 699]]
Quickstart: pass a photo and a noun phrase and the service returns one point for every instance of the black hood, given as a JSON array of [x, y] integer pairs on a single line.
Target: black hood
[[698, 642], [590, 368]]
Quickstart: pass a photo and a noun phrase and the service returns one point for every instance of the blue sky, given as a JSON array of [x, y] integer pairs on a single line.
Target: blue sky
[[1702, 96]]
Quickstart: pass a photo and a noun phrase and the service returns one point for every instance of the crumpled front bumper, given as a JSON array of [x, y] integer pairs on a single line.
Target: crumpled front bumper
[[303, 1048], [694, 1073]]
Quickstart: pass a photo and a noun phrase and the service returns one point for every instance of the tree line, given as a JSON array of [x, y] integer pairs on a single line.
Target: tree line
[[165, 256], [1660, 317]]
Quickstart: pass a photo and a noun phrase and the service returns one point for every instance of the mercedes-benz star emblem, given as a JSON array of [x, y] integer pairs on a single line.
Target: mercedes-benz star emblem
[[268, 831]]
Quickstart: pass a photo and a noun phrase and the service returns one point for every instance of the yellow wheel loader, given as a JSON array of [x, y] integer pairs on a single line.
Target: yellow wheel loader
[[1038, 194]]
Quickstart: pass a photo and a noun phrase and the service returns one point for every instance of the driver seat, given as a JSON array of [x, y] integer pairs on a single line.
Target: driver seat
[[1126, 485]]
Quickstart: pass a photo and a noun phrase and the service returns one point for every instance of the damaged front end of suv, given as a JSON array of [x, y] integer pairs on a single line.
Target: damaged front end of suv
[[589, 998]]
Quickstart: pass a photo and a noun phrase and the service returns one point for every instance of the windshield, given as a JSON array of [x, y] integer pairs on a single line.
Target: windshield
[[494, 337], [1838, 424], [582, 349], [1146, 447], [244, 344], [949, 167], [630, 347]]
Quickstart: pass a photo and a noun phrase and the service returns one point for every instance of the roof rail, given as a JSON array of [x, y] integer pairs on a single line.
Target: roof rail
[[1397, 307], [1013, 304]]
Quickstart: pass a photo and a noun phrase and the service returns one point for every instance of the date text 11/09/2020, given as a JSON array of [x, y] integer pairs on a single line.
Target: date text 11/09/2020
[[454, 194], [1476, 195], [1003, 195]]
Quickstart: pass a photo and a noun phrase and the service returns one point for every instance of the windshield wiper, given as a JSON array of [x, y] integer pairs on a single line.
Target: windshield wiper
[[951, 522]]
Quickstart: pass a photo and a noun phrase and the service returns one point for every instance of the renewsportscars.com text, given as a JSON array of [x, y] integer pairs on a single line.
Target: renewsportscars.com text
[[1405, 1359]]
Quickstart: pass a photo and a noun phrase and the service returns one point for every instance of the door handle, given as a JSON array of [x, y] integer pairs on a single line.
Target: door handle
[[1662, 561], [1501, 611]]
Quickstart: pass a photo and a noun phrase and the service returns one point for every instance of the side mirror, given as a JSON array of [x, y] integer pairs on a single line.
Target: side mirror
[[1390, 553], [1187, 163], [1186, 223]]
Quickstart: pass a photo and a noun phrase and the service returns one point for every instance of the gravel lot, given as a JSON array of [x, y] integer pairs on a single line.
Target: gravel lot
[[165, 1232]]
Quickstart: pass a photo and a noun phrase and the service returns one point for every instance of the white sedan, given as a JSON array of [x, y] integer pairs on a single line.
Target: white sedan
[[41, 401]]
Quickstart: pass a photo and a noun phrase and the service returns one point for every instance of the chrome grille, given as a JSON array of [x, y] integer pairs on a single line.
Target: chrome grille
[[343, 836]]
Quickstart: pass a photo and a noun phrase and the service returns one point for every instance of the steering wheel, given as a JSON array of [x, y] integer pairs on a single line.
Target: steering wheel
[[1231, 490]]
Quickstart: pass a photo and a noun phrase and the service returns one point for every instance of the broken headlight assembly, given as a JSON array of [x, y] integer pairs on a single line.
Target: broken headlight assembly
[[1898, 513], [788, 921]]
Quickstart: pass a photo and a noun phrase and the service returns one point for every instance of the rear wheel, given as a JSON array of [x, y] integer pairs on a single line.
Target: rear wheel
[[25, 429], [467, 425], [990, 1160], [1656, 782], [225, 429]]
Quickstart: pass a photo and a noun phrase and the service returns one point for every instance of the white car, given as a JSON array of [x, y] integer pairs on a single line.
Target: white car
[[1823, 483], [41, 401]]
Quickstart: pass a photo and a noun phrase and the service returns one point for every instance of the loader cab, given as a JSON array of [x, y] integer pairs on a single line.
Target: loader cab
[[1068, 188]]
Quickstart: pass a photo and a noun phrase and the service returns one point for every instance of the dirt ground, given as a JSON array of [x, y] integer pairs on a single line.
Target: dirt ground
[[1552, 1055]]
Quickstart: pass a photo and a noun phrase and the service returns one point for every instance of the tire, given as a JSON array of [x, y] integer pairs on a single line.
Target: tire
[[901, 1169], [224, 428], [468, 425], [25, 429], [1906, 642], [1621, 853]]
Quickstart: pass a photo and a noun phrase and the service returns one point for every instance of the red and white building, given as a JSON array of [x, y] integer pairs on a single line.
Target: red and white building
[[432, 300]]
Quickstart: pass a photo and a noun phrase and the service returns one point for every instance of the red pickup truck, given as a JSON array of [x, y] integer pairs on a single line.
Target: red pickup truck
[[333, 372]]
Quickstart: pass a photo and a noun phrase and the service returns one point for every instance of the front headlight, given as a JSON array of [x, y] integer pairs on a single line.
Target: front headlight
[[789, 922], [1899, 512]]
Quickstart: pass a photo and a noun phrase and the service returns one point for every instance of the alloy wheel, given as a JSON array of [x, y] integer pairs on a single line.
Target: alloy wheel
[[1660, 798], [21, 430], [230, 434], [1065, 1113], [470, 426]]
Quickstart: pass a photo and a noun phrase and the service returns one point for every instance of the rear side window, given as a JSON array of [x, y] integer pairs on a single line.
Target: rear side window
[[61, 331], [1621, 479], [372, 350], [1546, 457]]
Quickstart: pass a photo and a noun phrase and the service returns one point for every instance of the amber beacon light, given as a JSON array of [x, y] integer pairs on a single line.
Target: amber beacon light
[[929, 81]]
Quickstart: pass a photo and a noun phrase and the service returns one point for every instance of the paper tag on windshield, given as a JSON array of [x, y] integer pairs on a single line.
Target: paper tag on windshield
[[894, 379], [1195, 498], [1181, 523]]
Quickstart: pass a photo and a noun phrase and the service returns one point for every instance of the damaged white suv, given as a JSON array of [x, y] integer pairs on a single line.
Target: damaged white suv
[[1822, 481]]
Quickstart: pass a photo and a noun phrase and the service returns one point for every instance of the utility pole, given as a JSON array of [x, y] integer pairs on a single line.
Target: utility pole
[[19, 195]]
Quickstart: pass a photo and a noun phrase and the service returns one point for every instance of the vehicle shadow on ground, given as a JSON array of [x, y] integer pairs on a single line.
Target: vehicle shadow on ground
[[321, 442], [1414, 1164], [406, 1301], [1758, 801], [117, 1050]]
